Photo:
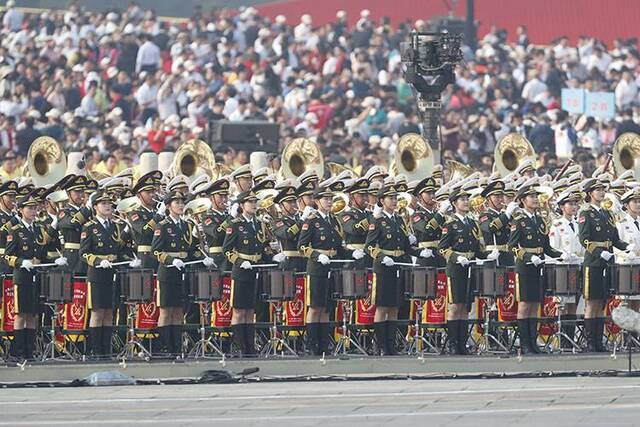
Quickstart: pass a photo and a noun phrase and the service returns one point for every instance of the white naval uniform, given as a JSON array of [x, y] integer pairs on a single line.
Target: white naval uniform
[[630, 234], [564, 238]]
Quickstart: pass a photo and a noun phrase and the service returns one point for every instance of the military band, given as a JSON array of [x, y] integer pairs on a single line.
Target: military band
[[304, 220]]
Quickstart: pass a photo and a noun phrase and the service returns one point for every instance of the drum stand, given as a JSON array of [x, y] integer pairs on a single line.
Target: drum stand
[[49, 350], [204, 344], [414, 347], [132, 348], [487, 337], [276, 345], [560, 305], [345, 339]]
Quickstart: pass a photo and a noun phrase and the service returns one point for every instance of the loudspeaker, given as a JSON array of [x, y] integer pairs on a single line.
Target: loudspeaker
[[246, 135]]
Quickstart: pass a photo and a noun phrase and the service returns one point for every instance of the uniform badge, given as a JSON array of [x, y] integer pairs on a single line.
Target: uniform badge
[[9, 238], [388, 236], [305, 226], [582, 219], [372, 227], [461, 240], [61, 215], [513, 227], [346, 218], [169, 230], [384, 223], [529, 236], [135, 217], [83, 235], [208, 221], [598, 228], [322, 237], [445, 230], [245, 242], [317, 224], [229, 230], [157, 232], [484, 218], [279, 224]]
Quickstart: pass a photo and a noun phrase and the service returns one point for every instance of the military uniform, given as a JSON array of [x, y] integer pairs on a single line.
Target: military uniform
[[495, 227], [143, 224], [70, 222], [7, 221], [287, 231]]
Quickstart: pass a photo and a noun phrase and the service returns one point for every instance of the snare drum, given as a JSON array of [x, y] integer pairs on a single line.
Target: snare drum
[[626, 279], [137, 284], [277, 285], [56, 286], [420, 282], [489, 279], [562, 279], [349, 284], [205, 284]]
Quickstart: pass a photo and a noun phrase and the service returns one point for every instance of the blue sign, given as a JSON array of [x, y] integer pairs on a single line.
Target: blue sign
[[573, 100], [600, 104]]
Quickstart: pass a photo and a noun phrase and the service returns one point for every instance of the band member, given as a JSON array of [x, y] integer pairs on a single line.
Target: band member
[[217, 220], [287, 230], [319, 241], [563, 237], [529, 241], [387, 242], [173, 244], [460, 243], [101, 245], [8, 219], [427, 223], [71, 220], [242, 179], [145, 218], [494, 223], [598, 235], [355, 220], [26, 248], [629, 231], [243, 248]]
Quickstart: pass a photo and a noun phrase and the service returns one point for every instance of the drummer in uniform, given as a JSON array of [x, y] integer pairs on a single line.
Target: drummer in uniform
[[174, 243], [461, 242], [71, 220], [598, 235], [495, 222], [427, 223], [8, 219], [563, 237], [144, 219], [102, 243], [629, 231], [287, 229], [243, 249], [355, 221], [387, 242], [217, 220], [26, 248], [529, 241], [319, 241]]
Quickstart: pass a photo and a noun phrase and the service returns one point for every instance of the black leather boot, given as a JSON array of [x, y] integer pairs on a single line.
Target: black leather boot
[[238, 337], [599, 335], [324, 332], [533, 336], [29, 343], [463, 330], [250, 338], [312, 338], [525, 341], [380, 329], [95, 335], [453, 334], [390, 334], [590, 332], [107, 334]]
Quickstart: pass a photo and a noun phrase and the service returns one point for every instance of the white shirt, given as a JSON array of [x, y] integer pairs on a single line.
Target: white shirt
[[148, 54], [147, 96], [626, 93], [13, 19], [630, 234], [532, 89], [565, 239]]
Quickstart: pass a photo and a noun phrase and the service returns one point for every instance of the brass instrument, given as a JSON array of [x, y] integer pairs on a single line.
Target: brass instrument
[[510, 152], [46, 161], [339, 203], [193, 159], [457, 170], [626, 151], [413, 158], [265, 207], [300, 155], [336, 169]]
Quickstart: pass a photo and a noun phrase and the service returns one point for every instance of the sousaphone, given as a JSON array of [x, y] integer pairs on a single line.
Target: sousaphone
[[626, 151], [193, 159], [300, 155], [510, 152], [46, 161], [413, 158]]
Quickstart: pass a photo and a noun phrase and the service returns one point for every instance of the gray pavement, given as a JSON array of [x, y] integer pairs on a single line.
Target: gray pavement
[[495, 402]]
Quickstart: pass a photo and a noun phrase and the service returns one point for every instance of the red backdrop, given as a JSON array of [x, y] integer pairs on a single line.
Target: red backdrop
[[544, 19]]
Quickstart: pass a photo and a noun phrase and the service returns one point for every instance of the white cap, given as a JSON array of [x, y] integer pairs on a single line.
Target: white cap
[[54, 113], [364, 13], [341, 14], [311, 117], [306, 19]]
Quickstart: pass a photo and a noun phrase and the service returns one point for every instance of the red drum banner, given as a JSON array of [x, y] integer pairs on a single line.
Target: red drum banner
[[75, 312], [221, 312], [147, 314], [8, 316], [507, 305], [436, 309], [294, 313], [365, 308]]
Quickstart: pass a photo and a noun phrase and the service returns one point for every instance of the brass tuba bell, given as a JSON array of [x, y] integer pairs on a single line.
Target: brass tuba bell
[[510, 152], [46, 161], [413, 158], [457, 170], [626, 151], [300, 155], [193, 159]]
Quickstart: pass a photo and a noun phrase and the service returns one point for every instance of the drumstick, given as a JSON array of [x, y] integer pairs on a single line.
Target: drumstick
[[405, 264], [51, 264], [341, 260], [263, 265]]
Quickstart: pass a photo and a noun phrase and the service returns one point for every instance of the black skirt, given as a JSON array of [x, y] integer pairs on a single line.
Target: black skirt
[[170, 294], [243, 294], [100, 296]]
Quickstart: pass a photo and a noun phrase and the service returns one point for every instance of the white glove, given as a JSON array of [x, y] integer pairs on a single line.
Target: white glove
[[323, 259], [412, 239], [89, 202], [480, 261], [61, 261], [279, 257], [377, 211], [54, 223], [178, 263], [536, 260], [162, 208], [426, 253], [565, 256], [493, 255], [234, 210], [388, 261], [135, 263], [631, 247], [26, 264], [208, 262], [410, 211], [274, 246], [463, 261], [358, 254], [105, 263], [606, 255], [510, 208], [246, 265], [444, 207], [308, 210]]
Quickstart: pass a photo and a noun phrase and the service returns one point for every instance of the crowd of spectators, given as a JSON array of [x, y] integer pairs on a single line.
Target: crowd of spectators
[[118, 83]]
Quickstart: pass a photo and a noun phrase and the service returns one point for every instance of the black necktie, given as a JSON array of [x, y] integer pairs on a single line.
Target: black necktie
[[573, 228], [637, 224]]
